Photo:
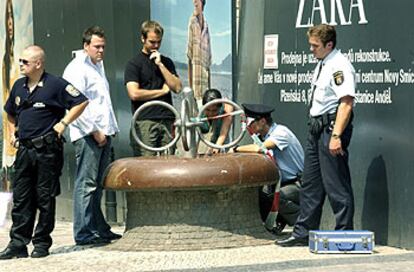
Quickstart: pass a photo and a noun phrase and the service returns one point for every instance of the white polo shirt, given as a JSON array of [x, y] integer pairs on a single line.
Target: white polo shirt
[[336, 80]]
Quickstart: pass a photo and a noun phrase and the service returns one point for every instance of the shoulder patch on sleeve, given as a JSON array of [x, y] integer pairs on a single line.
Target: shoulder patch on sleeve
[[338, 77], [72, 90]]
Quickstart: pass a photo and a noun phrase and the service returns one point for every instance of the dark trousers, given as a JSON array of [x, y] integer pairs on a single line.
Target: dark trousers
[[35, 187], [288, 203], [153, 133], [323, 175]]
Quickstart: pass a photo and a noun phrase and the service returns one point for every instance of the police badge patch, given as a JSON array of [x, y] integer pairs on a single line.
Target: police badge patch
[[72, 90], [338, 77]]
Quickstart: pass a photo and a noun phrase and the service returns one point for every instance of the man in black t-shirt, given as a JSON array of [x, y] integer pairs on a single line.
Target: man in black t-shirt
[[150, 76]]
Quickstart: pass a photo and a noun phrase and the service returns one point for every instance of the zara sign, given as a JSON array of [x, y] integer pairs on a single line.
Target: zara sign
[[306, 13]]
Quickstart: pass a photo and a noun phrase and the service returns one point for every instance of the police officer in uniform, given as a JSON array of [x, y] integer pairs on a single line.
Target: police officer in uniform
[[36, 111], [288, 154], [326, 169]]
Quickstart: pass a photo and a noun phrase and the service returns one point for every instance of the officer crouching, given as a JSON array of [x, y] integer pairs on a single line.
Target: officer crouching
[[37, 118]]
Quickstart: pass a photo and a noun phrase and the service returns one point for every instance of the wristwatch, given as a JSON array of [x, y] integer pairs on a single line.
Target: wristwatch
[[336, 136], [64, 123]]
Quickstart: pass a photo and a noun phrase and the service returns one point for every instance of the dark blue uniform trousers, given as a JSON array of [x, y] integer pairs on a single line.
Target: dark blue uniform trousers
[[35, 187], [325, 174]]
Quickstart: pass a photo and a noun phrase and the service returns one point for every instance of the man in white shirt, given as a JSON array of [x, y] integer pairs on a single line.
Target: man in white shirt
[[326, 170], [91, 135]]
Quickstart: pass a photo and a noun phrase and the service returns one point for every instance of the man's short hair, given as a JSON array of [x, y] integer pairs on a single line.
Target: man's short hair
[[154, 26], [326, 33], [93, 30]]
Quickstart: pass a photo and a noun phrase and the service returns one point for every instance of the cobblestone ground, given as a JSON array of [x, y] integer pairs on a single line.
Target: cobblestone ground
[[68, 257]]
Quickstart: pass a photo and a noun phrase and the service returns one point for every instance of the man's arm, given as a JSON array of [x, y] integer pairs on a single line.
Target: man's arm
[[11, 124], [135, 93], [253, 148], [225, 127], [70, 116], [342, 118], [173, 82]]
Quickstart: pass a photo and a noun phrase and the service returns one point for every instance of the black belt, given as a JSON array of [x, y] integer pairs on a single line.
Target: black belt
[[290, 181], [40, 141], [326, 118]]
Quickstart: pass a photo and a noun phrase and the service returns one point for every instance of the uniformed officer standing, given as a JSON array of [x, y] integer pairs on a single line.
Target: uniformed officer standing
[[36, 111], [326, 169], [288, 153]]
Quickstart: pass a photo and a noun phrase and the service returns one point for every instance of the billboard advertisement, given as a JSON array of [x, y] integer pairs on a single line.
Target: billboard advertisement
[[16, 32], [376, 37], [198, 38]]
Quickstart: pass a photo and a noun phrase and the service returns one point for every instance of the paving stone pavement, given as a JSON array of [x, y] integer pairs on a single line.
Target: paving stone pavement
[[65, 256]]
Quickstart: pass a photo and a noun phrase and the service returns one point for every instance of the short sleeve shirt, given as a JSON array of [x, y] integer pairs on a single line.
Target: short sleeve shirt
[[288, 151], [38, 111], [146, 73], [336, 80]]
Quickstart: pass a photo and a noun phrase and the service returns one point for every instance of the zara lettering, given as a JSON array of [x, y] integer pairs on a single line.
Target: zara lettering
[[306, 13]]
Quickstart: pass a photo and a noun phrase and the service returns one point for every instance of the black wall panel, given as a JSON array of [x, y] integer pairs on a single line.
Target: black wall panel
[[58, 27], [381, 150]]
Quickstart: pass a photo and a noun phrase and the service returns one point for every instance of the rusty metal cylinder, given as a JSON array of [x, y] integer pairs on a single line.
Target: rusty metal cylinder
[[174, 173], [192, 203]]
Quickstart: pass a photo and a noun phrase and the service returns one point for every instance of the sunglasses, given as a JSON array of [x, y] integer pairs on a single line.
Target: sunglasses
[[24, 61]]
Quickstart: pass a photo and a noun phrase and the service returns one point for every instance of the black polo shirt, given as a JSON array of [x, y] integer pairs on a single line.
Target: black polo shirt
[[38, 111], [148, 75]]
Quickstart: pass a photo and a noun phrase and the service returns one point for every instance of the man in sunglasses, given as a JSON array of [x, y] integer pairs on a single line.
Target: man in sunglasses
[[289, 156], [37, 117]]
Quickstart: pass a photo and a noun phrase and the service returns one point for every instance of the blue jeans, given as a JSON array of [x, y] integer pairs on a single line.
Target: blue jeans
[[91, 162]]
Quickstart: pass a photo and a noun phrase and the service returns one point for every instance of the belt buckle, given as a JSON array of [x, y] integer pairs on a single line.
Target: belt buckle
[[38, 142]]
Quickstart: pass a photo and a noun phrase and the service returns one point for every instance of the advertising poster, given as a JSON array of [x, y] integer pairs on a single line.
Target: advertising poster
[[16, 32], [200, 48]]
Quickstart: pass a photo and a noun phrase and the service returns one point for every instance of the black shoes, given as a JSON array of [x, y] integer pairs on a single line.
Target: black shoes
[[293, 241], [12, 253], [101, 239], [39, 253], [96, 241], [111, 236]]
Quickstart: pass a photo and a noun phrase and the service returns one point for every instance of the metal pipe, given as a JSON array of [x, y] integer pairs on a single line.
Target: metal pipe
[[110, 199]]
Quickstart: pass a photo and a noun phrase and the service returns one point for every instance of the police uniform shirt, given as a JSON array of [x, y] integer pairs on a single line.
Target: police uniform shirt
[[288, 151], [336, 79], [38, 111]]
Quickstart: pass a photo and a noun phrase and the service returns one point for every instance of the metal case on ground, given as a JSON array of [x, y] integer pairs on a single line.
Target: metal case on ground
[[350, 241]]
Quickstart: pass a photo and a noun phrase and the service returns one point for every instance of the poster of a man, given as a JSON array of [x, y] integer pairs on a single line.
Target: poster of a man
[[198, 50], [202, 53]]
